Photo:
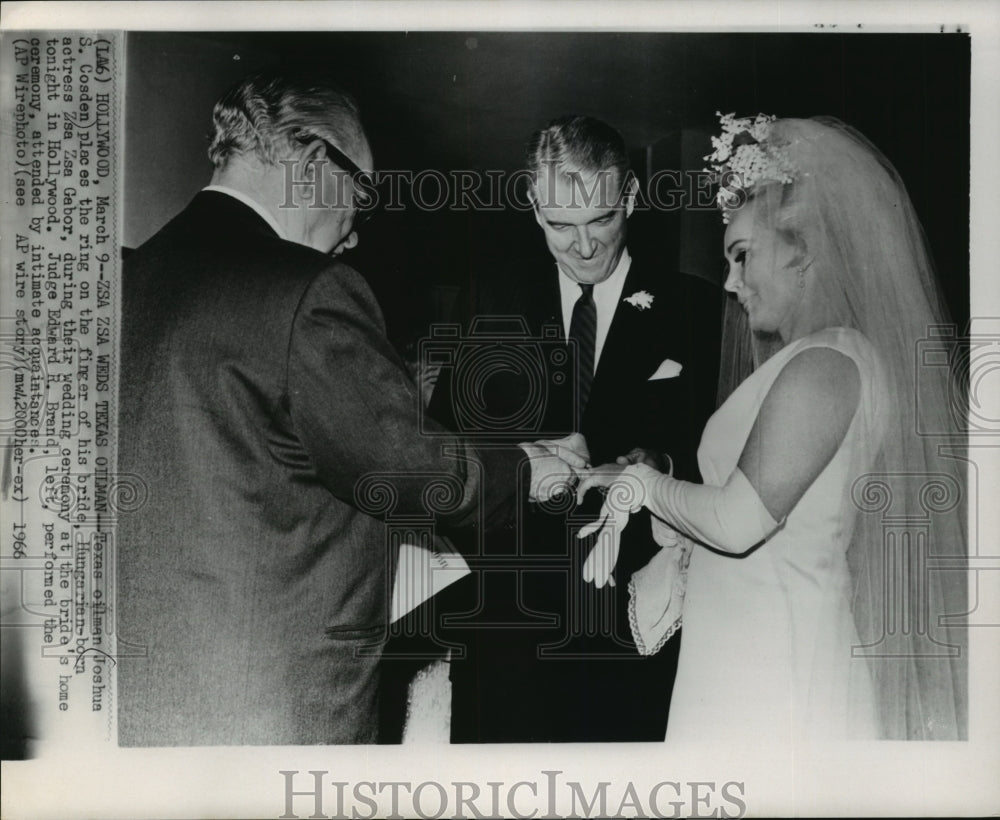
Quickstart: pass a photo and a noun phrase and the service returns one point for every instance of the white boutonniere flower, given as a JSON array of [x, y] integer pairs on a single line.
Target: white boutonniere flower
[[643, 300]]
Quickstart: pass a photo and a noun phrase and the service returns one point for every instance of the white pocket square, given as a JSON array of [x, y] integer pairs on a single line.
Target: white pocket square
[[668, 369]]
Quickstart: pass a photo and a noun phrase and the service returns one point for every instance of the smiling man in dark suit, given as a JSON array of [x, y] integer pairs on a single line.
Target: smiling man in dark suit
[[547, 656], [270, 418]]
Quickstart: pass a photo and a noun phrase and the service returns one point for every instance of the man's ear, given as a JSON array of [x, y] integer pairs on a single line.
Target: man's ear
[[631, 189], [312, 151]]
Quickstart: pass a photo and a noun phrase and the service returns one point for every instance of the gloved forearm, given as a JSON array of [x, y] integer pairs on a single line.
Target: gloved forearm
[[731, 518]]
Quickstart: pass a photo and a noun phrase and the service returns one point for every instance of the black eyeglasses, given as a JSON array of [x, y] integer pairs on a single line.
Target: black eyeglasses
[[365, 198]]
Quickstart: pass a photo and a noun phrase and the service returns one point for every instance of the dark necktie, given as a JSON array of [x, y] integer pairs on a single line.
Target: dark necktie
[[583, 329]]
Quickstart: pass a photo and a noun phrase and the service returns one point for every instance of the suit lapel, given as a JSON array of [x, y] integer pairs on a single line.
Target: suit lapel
[[636, 339]]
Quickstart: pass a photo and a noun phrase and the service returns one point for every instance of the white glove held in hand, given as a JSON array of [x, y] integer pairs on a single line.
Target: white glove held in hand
[[731, 518], [625, 495]]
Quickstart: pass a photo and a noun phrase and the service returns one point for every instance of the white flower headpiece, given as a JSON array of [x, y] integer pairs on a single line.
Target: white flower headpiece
[[745, 155]]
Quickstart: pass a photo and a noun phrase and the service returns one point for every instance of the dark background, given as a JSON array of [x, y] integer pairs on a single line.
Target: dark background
[[469, 100]]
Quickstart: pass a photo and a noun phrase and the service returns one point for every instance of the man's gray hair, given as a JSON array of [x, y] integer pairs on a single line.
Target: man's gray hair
[[578, 143], [264, 113]]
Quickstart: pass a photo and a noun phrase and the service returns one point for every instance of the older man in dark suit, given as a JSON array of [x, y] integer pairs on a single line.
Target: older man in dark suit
[[270, 419], [546, 656]]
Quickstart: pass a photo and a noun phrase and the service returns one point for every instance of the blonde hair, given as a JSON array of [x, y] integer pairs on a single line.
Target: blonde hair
[[848, 210]]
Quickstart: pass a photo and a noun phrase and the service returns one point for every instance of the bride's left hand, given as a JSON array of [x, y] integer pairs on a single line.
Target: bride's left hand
[[599, 477]]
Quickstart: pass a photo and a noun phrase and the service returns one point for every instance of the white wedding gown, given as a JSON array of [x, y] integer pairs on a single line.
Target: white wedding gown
[[766, 651]]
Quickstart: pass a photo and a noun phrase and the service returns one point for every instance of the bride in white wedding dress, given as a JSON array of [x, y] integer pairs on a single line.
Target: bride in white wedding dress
[[801, 619]]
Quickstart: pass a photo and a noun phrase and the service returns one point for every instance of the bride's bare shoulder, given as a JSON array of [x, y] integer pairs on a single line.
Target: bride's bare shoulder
[[821, 379]]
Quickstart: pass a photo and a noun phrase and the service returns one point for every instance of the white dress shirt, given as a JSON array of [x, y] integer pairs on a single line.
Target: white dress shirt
[[607, 295], [265, 214]]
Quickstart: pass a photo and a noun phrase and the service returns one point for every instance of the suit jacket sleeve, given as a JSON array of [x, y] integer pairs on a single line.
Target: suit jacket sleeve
[[357, 413]]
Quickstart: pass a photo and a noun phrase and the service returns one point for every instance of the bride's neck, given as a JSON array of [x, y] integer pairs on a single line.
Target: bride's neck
[[810, 314]]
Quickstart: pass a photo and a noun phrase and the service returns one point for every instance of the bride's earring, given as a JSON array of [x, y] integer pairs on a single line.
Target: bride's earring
[[802, 273]]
